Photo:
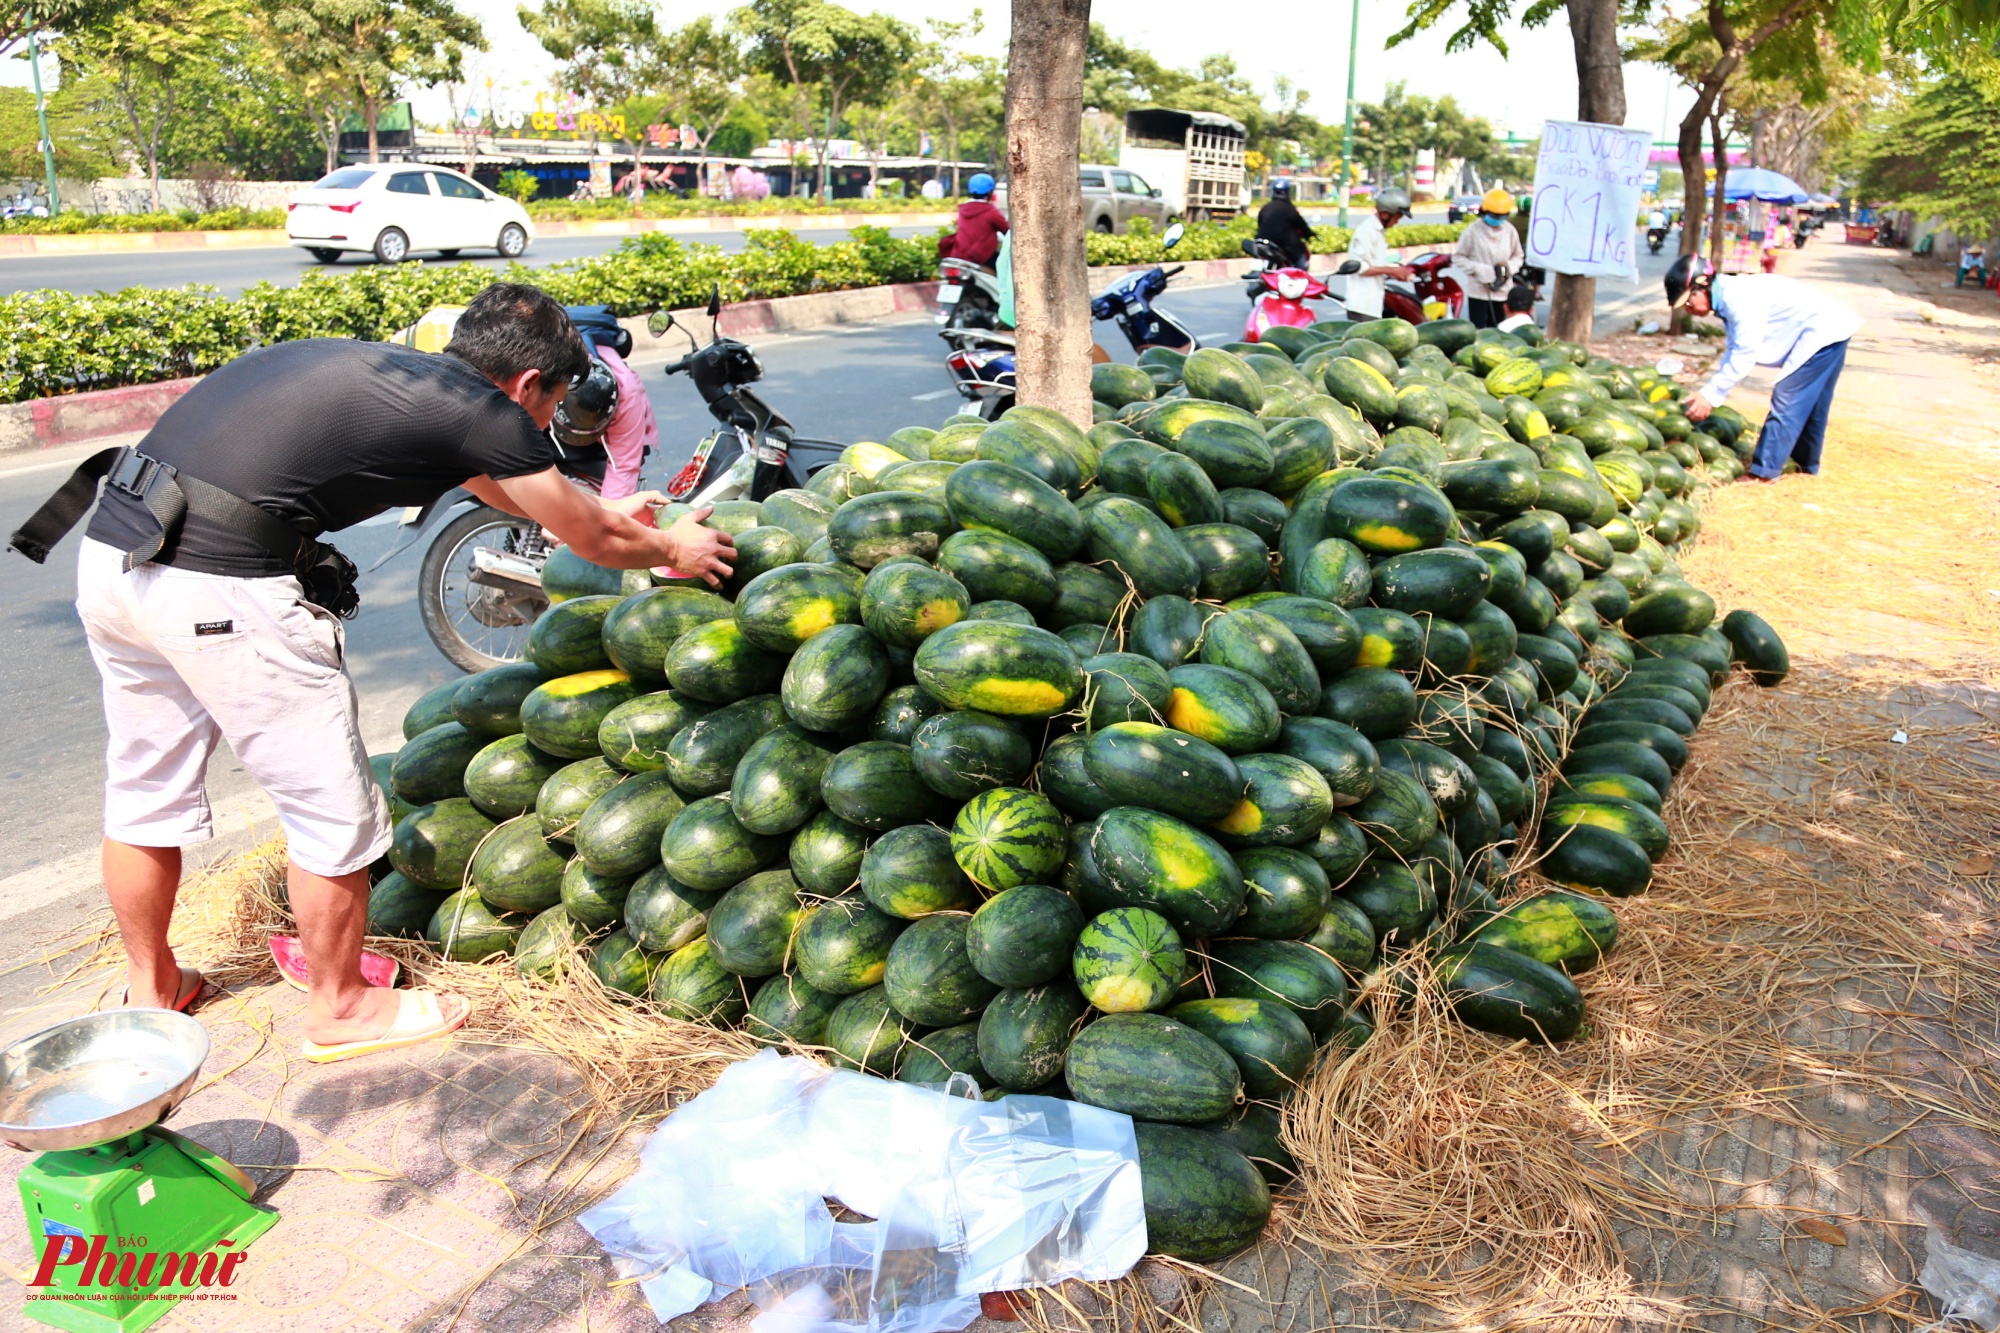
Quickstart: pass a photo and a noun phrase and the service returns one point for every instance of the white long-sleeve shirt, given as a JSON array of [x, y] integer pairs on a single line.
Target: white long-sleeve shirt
[[1773, 321], [1370, 245], [1481, 252]]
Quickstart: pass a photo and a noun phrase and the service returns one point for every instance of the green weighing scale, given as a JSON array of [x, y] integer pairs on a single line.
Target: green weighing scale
[[88, 1093]]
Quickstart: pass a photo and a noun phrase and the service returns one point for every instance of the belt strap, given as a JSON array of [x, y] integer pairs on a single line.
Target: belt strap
[[169, 497]]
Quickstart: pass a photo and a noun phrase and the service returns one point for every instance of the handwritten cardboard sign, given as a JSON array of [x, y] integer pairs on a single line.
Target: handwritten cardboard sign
[[1586, 201]]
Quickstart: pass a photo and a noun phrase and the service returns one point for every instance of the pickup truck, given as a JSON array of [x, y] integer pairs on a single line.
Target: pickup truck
[[1112, 197]]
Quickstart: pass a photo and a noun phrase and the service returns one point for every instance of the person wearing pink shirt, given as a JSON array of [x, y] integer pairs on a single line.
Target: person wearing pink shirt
[[632, 432]]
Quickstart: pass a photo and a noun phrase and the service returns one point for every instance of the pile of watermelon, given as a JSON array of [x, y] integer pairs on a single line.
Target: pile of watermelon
[[1105, 765]]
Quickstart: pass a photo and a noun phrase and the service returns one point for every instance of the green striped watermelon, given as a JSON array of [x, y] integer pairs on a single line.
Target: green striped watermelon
[[1152, 1068], [929, 979], [867, 1034], [594, 901], [1008, 836], [912, 872], [1127, 960], [569, 636], [1024, 1034], [1204, 1200], [791, 1010], [488, 704], [1152, 860], [1024, 936], [562, 716], [692, 986], [515, 869]]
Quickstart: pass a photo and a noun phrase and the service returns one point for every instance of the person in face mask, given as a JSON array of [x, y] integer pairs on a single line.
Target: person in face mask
[[1487, 257]]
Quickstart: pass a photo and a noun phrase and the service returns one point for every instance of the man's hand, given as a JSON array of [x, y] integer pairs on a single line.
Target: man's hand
[[701, 552], [1697, 408], [1402, 271], [639, 505]]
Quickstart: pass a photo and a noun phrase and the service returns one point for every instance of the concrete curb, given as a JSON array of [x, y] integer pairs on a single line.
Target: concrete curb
[[104, 243], [78, 418]]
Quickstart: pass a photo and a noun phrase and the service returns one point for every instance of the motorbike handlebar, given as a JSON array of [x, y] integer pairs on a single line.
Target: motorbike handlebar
[[676, 367], [1178, 268]]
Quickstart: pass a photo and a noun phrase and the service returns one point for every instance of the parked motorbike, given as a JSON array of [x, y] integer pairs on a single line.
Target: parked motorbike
[[1278, 291], [479, 589], [968, 295], [981, 362], [1655, 238], [1129, 303], [1431, 294]]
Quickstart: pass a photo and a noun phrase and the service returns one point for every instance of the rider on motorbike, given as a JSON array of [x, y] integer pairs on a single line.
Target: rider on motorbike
[[1281, 223], [1489, 255], [980, 225], [1370, 245]]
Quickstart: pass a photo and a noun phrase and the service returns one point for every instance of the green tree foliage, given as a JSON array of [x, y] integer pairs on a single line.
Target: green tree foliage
[[963, 94], [1389, 134], [79, 154], [1936, 154], [830, 56], [741, 131], [139, 65], [702, 68], [369, 50]]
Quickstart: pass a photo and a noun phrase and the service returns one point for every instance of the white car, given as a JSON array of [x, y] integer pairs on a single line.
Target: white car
[[391, 209]]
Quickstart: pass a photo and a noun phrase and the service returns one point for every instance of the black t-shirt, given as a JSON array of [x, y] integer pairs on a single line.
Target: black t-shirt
[[328, 430]]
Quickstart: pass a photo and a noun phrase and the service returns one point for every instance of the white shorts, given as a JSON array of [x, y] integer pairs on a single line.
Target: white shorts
[[189, 659]]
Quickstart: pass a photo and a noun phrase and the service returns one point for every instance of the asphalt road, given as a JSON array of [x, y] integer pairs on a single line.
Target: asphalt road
[[234, 270]]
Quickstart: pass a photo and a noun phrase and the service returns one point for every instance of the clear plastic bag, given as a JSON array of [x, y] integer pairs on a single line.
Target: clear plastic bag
[[1966, 1285], [966, 1196]]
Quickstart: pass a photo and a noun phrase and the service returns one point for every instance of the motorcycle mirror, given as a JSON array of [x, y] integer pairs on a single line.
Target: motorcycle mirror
[[1351, 266], [659, 322], [714, 300], [1172, 236]]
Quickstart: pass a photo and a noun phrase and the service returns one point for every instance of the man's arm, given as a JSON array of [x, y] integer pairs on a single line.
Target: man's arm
[[1745, 327], [604, 536]]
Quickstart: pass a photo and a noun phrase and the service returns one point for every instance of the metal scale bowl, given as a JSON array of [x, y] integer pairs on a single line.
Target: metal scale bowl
[[89, 1093]]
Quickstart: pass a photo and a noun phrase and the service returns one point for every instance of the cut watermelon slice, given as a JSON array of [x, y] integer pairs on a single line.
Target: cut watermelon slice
[[376, 969]]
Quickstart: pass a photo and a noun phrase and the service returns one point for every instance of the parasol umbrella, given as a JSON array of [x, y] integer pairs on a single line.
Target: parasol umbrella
[[1759, 183]]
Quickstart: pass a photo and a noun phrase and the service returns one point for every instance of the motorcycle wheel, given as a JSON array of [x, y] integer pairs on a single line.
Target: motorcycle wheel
[[478, 627], [972, 312]]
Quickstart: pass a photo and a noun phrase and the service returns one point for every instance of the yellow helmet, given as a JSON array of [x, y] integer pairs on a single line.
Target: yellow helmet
[[432, 332], [1497, 202]]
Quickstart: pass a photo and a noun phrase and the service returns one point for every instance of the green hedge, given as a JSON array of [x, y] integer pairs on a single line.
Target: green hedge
[[57, 342], [658, 204], [1224, 240], [222, 219]]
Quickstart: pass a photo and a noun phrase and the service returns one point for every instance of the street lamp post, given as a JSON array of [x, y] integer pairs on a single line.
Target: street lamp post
[[42, 121], [1347, 125]]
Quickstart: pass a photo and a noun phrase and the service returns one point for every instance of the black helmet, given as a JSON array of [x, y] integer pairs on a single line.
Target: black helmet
[[1281, 188], [1683, 274], [586, 410]]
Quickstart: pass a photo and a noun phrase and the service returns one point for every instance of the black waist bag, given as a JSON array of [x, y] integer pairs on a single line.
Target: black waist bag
[[326, 576]]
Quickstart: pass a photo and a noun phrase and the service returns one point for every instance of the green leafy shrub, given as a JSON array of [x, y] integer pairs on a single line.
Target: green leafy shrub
[[1224, 240], [59, 343], [664, 204], [520, 186], [70, 224]]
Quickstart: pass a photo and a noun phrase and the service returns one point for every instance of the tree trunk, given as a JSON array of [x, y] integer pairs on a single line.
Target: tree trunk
[[1600, 99], [1045, 195], [1721, 150], [371, 112], [1694, 176]]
